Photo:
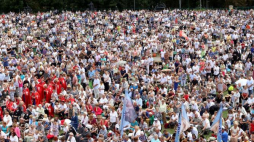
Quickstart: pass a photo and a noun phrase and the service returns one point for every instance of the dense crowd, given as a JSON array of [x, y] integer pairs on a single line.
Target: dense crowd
[[64, 75]]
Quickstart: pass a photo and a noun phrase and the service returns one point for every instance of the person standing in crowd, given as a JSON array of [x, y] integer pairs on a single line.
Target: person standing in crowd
[[81, 66]]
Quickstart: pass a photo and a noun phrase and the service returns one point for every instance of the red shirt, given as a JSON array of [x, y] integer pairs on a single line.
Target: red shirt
[[186, 97], [104, 122], [39, 89], [37, 98], [52, 85], [24, 107], [58, 87], [1, 113], [50, 88], [72, 100], [48, 94], [251, 127], [51, 111], [9, 105], [89, 108], [27, 97], [62, 98], [92, 122], [97, 110], [63, 83]]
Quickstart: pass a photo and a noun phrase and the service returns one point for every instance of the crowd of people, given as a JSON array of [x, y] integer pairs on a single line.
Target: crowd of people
[[64, 75]]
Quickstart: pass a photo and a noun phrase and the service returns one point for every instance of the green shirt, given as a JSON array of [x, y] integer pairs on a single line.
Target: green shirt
[[151, 119]]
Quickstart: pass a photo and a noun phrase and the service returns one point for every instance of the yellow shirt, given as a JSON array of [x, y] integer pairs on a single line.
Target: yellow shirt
[[213, 49]]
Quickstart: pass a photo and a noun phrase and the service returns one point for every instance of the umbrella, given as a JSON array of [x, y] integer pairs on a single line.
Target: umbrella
[[242, 81]]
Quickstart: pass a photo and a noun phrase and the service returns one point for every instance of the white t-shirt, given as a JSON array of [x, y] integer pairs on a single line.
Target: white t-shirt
[[189, 70], [236, 97], [250, 101], [206, 122], [157, 124], [6, 118], [195, 69], [113, 116], [162, 54], [71, 139], [216, 70], [103, 100], [84, 120], [194, 131], [189, 135], [250, 83], [2, 134], [14, 139], [96, 81], [136, 133]]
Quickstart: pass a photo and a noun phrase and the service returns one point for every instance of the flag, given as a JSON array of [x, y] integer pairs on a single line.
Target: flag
[[182, 34], [128, 112], [217, 124], [183, 123], [122, 119]]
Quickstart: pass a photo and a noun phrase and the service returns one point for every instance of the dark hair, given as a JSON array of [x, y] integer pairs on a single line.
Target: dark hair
[[13, 133]]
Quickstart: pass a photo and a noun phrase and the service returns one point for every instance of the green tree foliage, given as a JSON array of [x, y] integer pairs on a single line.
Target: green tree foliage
[[46, 5]]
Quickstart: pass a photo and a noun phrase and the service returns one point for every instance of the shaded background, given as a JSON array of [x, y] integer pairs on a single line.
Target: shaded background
[[74, 5]]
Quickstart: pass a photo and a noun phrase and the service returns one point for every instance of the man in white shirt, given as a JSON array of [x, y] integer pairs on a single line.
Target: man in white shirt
[[189, 70], [96, 86], [139, 101], [103, 101], [216, 70], [250, 101], [113, 117], [205, 124], [195, 68], [250, 85], [248, 65], [63, 109], [194, 130], [84, 119], [136, 133], [157, 123], [163, 55], [150, 59], [2, 75], [163, 109], [71, 138]]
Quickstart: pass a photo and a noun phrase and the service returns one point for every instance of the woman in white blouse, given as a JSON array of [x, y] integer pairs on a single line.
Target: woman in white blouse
[[102, 87], [7, 118], [106, 80], [14, 137]]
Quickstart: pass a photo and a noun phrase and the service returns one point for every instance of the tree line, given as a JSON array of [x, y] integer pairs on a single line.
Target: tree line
[[46, 5]]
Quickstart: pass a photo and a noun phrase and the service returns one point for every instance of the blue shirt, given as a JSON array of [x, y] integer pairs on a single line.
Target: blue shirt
[[153, 140], [224, 136], [134, 87], [91, 74], [5, 61]]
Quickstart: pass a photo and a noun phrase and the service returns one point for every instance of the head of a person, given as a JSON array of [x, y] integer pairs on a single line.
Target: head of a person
[[71, 134], [7, 113], [136, 128], [236, 124]]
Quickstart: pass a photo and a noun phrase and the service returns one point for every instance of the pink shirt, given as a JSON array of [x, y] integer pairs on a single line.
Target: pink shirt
[[17, 131]]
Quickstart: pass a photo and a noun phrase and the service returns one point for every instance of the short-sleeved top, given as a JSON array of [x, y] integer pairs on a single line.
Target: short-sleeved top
[[234, 130]]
